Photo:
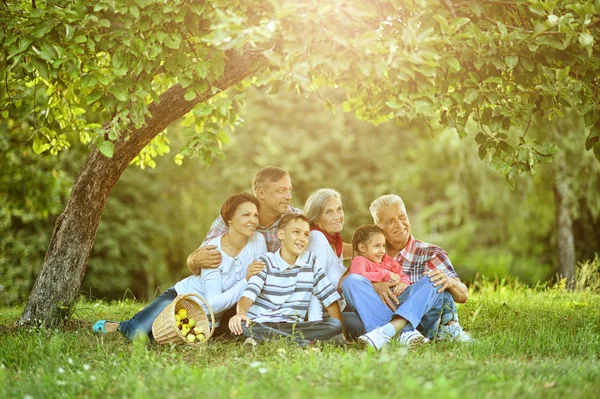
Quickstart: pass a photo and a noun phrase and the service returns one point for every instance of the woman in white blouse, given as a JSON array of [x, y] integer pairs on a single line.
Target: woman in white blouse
[[326, 217], [221, 287]]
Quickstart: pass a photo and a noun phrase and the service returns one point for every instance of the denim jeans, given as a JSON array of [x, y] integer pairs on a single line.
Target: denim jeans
[[141, 323], [420, 304]]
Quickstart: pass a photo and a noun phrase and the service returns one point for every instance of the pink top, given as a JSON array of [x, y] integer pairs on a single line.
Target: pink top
[[377, 272]]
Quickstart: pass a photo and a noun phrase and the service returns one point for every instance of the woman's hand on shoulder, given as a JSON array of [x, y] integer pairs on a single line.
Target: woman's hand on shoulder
[[254, 268]]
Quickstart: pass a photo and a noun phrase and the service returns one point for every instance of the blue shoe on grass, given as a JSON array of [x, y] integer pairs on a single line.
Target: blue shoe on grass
[[100, 326]]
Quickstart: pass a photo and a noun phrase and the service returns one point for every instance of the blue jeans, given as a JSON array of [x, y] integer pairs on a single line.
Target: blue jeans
[[141, 323], [420, 305]]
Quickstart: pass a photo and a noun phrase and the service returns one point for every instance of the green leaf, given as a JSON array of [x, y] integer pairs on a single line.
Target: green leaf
[[93, 97], [120, 92], [42, 67], [88, 80], [42, 29], [69, 32], [586, 40], [537, 8], [173, 41], [594, 137], [224, 107], [185, 80], [119, 59], [202, 69], [454, 64], [506, 147], [480, 138], [39, 146], [527, 64], [482, 152], [443, 22], [190, 95], [143, 3], [511, 61], [107, 148], [134, 11], [502, 28]]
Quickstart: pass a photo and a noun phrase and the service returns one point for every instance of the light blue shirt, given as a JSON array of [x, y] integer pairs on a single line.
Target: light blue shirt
[[334, 268], [223, 287]]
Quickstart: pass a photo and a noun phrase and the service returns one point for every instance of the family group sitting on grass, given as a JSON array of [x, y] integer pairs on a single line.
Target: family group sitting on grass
[[269, 270]]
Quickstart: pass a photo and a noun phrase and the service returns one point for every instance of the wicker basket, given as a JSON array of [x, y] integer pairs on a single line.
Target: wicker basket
[[165, 330]]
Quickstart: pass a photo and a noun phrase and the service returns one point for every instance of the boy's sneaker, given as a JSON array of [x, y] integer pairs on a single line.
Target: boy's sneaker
[[376, 339], [412, 339], [250, 341], [453, 332]]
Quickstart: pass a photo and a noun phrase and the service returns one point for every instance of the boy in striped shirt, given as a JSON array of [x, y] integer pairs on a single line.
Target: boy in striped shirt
[[276, 300]]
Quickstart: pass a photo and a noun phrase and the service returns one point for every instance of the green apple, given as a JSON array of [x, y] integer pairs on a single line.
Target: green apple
[[191, 322], [182, 312], [200, 337], [198, 330], [191, 337], [177, 317]]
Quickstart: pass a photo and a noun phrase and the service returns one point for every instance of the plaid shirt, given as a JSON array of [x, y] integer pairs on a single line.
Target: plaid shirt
[[219, 227], [418, 257]]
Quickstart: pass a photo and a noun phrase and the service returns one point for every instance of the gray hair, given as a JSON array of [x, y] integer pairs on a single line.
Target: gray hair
[[313, 209], [385, 200]]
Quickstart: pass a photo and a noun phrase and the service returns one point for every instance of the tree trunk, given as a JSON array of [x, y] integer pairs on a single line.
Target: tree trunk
[[61, 275], [565, 240]]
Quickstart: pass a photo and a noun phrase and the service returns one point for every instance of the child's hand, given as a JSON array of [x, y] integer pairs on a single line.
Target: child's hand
[[394, 276], [235, 323], [400, 288]]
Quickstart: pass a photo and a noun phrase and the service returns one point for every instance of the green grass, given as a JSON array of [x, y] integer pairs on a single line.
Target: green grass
[[530, 343]]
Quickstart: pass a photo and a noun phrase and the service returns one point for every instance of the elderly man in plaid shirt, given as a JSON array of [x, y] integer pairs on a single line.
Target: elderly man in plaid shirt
[[427, 304]]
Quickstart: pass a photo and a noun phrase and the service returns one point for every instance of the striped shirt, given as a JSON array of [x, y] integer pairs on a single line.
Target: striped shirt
[[281, 293], [219, 227], [418, 257]]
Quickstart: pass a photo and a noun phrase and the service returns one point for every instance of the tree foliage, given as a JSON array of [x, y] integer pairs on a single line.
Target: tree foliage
[[478, 67]]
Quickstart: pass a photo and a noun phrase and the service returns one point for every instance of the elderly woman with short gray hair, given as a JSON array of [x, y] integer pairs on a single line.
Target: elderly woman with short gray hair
[[325, 214]]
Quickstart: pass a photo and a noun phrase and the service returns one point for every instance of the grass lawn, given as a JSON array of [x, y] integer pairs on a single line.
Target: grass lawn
[[530, 343]]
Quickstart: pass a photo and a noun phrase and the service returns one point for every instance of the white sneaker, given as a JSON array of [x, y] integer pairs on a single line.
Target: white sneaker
[[376, 338], [411, 339], [453, 332]]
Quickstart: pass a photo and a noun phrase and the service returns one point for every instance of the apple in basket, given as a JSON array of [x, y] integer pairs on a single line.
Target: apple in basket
[[182, 313]]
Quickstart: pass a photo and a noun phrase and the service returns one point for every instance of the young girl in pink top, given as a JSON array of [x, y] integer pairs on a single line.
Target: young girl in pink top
[[372, 262]]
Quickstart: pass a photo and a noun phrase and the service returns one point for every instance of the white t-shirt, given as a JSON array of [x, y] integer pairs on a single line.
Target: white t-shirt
[[334, 268], [223, 287]]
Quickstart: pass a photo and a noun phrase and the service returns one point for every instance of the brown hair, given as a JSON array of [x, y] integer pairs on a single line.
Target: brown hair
[[363, 234], [266, 176], [231, 204], [290, 217]]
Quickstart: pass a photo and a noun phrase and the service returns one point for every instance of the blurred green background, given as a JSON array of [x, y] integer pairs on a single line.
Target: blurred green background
[[156, 217]]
